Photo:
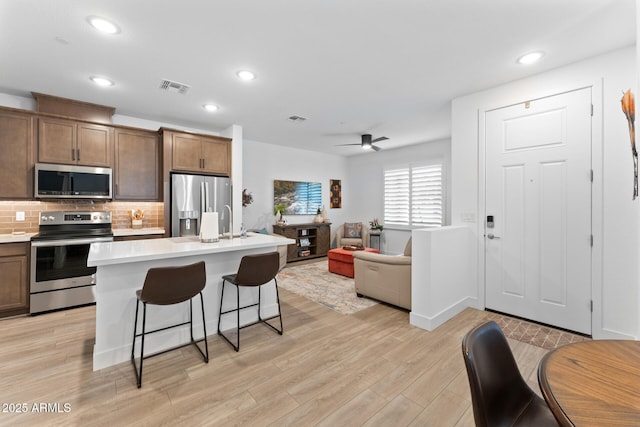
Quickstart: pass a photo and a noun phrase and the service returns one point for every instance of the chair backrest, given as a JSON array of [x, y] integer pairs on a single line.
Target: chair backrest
[[498, 391], [256, 270], [171, 285]]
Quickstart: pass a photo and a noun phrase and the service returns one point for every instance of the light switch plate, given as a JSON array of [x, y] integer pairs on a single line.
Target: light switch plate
[[20, 216]]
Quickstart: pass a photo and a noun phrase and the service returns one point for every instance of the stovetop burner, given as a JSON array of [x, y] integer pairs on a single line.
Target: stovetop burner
[[72, 234], [70, 225]]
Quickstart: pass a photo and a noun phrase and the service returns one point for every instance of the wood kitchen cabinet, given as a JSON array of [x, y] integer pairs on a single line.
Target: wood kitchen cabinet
[[14, 286], [137, 169], [73, 142], [17, 131], [200, 153]]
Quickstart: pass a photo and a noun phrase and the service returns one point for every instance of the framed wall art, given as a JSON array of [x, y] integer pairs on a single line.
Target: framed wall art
[[335, 193]]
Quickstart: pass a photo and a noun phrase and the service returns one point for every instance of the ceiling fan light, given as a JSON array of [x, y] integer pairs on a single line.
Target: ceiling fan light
[[366, 146]]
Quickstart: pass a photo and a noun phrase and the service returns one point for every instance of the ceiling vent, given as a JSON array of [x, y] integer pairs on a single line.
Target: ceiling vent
[[297, 118], [175, 87]]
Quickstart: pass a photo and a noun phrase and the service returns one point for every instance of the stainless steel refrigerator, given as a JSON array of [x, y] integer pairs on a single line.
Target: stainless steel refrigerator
[[193, 194]]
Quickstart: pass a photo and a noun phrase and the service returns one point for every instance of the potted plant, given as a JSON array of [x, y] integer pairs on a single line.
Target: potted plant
[[279, 209], [375, 226]]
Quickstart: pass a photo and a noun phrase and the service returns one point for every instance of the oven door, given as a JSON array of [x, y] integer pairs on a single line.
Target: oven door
[[59, 274]]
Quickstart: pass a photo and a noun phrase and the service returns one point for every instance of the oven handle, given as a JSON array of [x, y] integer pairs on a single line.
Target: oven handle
[[68, 242]]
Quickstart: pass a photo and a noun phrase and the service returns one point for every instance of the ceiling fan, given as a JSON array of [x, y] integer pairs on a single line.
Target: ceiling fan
[[367, 142]]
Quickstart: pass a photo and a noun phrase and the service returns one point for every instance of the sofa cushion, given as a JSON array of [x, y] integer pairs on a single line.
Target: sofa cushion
[[353, 230]]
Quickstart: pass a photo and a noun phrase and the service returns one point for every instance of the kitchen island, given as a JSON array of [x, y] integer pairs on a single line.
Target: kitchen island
[[121, 270]]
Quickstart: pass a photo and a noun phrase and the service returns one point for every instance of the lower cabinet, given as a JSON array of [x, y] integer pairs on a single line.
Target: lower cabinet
[[14, 282]]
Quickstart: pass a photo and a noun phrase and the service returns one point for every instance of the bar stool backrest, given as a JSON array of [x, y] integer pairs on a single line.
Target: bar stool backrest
[[256, 270], [172, 285]]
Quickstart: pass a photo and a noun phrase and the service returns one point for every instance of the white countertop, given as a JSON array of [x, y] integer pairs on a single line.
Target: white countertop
[[109, 253], [118, 232], [16, 238]]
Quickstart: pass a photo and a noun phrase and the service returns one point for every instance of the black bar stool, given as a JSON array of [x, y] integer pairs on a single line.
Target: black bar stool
[[167, 286], [254, 270]]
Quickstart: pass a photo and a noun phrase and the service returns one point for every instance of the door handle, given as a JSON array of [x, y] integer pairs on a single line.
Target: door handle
[[492, 236]]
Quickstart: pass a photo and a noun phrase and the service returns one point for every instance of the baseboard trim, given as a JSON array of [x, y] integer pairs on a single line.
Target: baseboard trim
[[432, 322]]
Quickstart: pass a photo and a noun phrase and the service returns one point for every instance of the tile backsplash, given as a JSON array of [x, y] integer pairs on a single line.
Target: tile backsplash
[[121, 213]]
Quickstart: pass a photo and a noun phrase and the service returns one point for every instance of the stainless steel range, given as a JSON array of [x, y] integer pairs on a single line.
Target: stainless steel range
[[60, 277]]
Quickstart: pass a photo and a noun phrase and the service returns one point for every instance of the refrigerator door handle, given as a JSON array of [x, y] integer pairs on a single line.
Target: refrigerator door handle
[[207, 206], [202, 199]]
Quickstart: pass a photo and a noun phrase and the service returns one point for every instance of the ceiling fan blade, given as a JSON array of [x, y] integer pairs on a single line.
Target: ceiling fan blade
[[341, 145], [382, 138], [374, 148]]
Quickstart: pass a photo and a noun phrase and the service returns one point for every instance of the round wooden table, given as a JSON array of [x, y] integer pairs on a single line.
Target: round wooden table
[[593, 383]]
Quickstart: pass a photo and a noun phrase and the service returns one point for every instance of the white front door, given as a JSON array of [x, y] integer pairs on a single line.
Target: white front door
[[538, 193]]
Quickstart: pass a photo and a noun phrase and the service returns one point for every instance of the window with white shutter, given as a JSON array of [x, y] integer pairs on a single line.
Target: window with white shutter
[[413, 196]]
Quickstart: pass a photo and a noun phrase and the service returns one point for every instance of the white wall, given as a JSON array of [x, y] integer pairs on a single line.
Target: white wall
[[365, 185], [440, 275], [263, 163], [615, 217]]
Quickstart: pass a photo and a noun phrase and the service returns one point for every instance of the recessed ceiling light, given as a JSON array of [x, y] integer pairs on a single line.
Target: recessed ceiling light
[[101, 81], [103, 25], [530, 58], [210, 107], [246, 75]]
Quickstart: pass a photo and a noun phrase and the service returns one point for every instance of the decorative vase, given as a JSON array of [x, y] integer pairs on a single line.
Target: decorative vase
[[318, 219], [324, 214]]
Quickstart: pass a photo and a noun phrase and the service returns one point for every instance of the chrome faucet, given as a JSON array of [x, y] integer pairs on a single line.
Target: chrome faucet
[[230, 222]]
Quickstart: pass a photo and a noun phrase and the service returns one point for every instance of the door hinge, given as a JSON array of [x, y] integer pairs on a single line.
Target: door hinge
[[591, 305], [591, 110], [591, 175], [591, 240]]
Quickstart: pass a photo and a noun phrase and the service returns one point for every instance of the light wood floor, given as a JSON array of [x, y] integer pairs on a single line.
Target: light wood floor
[[329, 369]]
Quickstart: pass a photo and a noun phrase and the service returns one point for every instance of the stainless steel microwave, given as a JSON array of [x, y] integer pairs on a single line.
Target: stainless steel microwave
[[72, 182]]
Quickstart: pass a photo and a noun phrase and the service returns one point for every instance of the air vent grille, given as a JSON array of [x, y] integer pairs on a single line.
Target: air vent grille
[[171, 86], [295, 118]]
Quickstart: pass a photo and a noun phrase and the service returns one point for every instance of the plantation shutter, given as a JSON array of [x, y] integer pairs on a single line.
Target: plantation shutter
[[413, 196], [426, 196], [396, 197]]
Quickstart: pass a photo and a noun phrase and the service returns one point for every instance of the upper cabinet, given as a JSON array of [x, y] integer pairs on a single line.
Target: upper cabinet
[[199, 153], [73, 142], [137, 165], [17, 131]]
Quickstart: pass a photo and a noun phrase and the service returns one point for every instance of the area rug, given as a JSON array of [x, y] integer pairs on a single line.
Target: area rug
[[533, 333], [313, 281]]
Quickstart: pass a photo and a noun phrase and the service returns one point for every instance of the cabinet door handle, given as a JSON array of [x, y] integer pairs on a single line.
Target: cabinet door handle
[[73, 154], [78, 154]]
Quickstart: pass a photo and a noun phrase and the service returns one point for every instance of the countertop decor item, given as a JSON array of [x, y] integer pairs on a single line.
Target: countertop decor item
[[137, 215]]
